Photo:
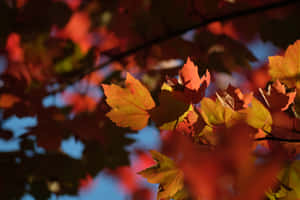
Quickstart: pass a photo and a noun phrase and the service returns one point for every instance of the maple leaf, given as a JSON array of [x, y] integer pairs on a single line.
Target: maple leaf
[[170, 111], [287, 68], [233, 97], [193, 86], [204, 168], [215, 113], [130, 105], [258, 116], [189, 75], [276, 96], [167, 175], [289, 183], [192, 124], [212, 112]]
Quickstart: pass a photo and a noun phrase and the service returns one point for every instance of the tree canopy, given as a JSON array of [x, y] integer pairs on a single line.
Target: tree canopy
[[99, 71]]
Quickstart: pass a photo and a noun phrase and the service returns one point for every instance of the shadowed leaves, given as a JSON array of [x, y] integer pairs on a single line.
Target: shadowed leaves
[[170, 110]]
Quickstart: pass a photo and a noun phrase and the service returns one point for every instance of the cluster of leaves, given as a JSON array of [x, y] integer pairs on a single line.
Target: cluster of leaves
[[57, 56], [229, 146]]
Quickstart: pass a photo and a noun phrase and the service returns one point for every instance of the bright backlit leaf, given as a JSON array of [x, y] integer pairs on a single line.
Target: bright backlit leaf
[[192, 87], [287, 68], [130, 105], [215, 113], [258, 116]]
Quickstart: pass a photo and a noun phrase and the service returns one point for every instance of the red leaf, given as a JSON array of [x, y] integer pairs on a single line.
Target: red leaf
[[276, 97]]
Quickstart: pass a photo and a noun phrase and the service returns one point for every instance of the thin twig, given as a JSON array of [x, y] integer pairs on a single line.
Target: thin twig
[[271, 137], [278, 139]]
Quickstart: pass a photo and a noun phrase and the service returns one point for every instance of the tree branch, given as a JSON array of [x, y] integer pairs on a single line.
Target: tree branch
[[278, 139], [179, 32]]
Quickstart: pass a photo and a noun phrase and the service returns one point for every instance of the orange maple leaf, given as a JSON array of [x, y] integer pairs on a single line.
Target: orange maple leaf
[[193, 86], [190, 77], [130, 105]]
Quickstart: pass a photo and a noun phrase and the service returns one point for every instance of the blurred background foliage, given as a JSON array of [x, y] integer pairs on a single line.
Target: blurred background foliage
[[54, 54]]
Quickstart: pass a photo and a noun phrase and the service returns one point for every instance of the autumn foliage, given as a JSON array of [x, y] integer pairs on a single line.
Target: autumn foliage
[[217, 81], [228, 146]]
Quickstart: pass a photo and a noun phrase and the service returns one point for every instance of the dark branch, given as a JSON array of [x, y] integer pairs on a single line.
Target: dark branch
[[179, 32], [294, 130], [278, 139]]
